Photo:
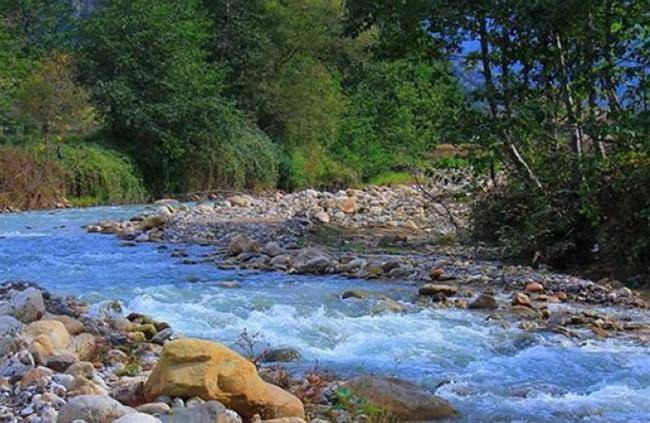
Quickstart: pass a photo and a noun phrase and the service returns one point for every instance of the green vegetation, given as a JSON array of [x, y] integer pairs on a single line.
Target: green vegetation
[[563, 113], [180, 96]]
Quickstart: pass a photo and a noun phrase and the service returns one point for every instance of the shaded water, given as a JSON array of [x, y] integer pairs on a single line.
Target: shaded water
[[490, 373]]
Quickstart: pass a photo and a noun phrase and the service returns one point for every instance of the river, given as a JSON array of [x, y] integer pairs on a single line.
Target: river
[[488, 372]]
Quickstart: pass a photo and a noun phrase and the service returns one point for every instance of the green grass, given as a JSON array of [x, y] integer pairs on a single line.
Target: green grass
[[391, 179]]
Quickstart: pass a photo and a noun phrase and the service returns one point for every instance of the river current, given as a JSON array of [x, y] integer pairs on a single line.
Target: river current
[[488, 372]]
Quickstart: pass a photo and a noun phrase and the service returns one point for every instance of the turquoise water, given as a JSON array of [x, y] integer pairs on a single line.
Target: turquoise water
[[489, 373]]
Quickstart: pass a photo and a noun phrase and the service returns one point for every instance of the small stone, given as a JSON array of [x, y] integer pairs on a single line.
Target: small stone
[[436, 273], [535, 287], [354, 293], [484, 302], [521, 299], [431, 289], [229, 284], [272, 249], [154, 408]]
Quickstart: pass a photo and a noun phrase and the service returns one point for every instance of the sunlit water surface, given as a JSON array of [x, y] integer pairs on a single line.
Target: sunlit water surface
[[488, 372]]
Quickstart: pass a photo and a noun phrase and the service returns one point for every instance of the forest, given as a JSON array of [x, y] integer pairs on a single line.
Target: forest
[[122, 101]]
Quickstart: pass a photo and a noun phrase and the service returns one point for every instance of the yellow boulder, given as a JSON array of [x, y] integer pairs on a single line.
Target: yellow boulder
[[193, 367], [53, 329]]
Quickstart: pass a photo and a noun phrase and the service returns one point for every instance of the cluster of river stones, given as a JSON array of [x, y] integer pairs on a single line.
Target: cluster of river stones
[[58, 364], [268, 233]]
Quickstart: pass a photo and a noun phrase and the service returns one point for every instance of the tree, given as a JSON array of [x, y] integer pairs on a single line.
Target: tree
[[51, 98], [148, 72]]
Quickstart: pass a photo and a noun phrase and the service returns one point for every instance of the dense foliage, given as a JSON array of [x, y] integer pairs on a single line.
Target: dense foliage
[[200, 95], [563, 88]]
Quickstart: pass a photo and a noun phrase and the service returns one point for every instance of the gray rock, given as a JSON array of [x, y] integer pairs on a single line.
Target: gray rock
[[209, 412], [405, 401], [316, 265], [10, 326], [283, 261], [162, 336], [26, 306], [283, 355], [272, 249], [92, 408], [155, 408], [137, 418], [241, 243]]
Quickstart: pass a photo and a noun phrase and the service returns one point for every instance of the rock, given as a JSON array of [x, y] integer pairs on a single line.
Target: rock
[[521, 299], [83, 386], [92, 408], [26, 305], [285, 420], [535, 287], [435, 289], [74, 326], [142, 418], [484, 302], [208, 412], [347, 205], [354, 293], [624, 292], [53, 329], [151, 222], [283, 262], [272, 249], [229, 284], [436, 273], [81, 368], [163, 336], [10, 326], [404, 401], [322, 217], [193, 367], [61, 360], [84, 346], [241, 243], [129, 391], [41, 348], [155, 408], [240, 201], [283, 355], [39, 376], [315, 265]]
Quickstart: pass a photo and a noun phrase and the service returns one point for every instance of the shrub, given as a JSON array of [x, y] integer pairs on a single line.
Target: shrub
[[28, 180], [590, 210], [95, 175]]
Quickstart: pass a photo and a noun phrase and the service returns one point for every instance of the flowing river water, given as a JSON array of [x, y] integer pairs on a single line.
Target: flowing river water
[[488, 372]]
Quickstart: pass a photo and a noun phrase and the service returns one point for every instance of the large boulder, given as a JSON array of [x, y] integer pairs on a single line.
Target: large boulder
[[26, 305], [403, 400], [53, 329], [193, 367], [92, 408]]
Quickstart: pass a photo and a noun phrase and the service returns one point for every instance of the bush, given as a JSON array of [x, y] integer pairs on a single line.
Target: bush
[[246, 159], [590, 211], [95, 175], [28, 180]]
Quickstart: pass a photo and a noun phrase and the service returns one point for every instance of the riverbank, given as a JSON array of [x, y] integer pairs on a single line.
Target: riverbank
[[382, 234], [335, 326], [62, 364]]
